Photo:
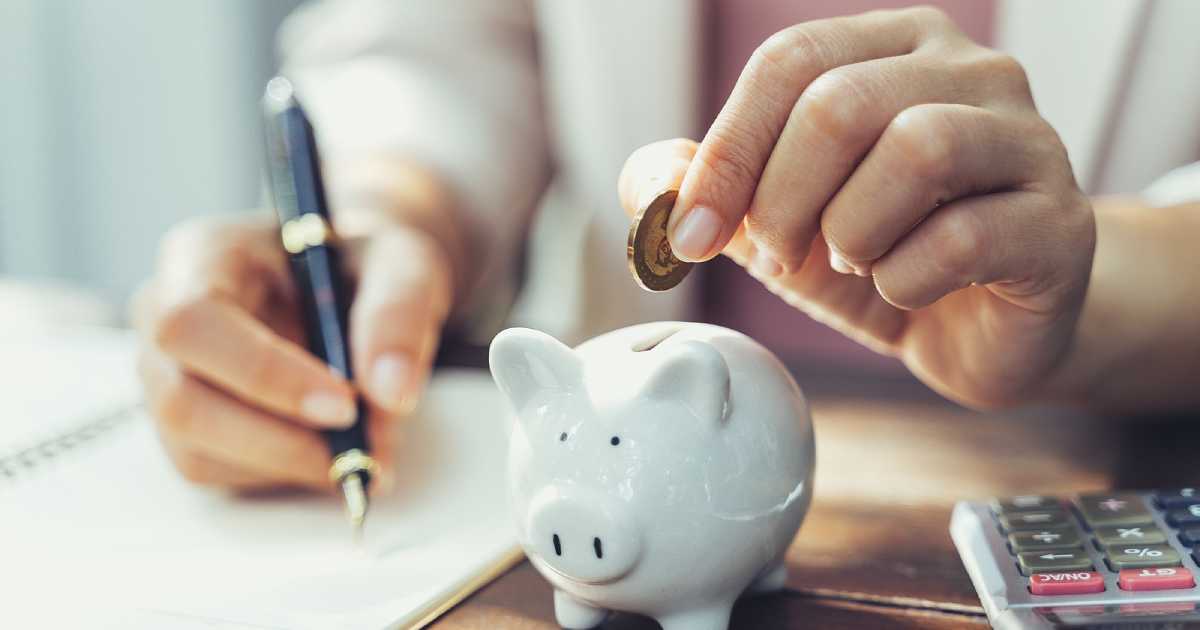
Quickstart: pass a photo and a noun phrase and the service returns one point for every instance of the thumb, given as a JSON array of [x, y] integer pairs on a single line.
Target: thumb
[[403, 298], [652, 169]]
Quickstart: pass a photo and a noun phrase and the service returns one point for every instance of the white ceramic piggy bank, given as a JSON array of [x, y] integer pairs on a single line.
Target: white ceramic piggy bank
[[661, 469]]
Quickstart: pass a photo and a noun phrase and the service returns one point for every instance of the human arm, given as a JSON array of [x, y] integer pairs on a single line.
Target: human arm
[[426, 114]]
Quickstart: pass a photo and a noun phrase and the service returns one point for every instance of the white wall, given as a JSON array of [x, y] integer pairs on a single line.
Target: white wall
[[1116, 78], [118, 118]]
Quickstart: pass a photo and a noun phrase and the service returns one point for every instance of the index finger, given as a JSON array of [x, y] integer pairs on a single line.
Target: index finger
[[228, 347], [719, 186]]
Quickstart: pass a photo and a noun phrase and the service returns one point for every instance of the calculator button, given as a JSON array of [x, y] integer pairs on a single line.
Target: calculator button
[[1190, 536], [1025, 503], [1180, 497], [1053, 561], [1066, 583], [1024, 521], [1050, 538], [1101, 510], [1139, 556], [1131, 535], [1182, 517], [1159, 579]]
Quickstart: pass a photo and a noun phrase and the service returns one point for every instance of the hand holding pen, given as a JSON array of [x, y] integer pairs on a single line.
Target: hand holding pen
[[238, 400]]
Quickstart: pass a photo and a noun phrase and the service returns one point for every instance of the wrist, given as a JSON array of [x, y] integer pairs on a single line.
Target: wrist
[[1136, 340]]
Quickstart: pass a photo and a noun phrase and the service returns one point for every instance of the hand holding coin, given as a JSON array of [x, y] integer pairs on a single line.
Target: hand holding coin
[[653, 264], [894, 180]]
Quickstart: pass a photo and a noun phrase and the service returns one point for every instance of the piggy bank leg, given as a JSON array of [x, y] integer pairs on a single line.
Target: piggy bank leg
[[715, 616], [574, 614], [770, 580]]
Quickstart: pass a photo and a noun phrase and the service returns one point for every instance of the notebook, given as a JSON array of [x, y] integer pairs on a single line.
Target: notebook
[[97, 529]]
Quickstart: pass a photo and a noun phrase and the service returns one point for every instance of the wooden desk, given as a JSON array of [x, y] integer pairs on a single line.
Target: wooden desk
[[892, 458]]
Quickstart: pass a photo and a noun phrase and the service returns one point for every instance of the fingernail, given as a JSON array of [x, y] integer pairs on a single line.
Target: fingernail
[[696, 233], [838, 263], [328, 409], [764, 265], [390, 376]]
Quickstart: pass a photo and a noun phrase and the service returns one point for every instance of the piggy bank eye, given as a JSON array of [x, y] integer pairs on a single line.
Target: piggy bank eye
[[615, 440], [562, 437]]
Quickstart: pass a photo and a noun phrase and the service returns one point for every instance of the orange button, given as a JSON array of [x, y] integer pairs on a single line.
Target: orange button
[[1159, 579], [1066, 583]]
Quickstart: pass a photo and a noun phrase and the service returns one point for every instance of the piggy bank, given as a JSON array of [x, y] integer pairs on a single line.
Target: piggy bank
[[661, 469]]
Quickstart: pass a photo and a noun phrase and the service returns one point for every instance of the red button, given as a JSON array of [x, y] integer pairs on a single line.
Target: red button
[[1066, 583], [1156, 579]]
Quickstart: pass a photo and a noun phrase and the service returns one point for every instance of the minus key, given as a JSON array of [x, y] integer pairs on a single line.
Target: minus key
[[1024, 521]]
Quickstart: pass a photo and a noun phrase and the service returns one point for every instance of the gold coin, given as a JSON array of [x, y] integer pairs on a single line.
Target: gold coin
[[653, 264]]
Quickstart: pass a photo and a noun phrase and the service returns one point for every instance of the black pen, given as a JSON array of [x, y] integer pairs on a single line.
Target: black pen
[[295, 174]]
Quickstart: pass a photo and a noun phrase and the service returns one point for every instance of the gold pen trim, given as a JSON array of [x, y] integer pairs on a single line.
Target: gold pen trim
[[349, 462], [306, 231]]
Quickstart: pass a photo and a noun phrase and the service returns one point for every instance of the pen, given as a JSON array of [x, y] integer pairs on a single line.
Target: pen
[[295, 175]]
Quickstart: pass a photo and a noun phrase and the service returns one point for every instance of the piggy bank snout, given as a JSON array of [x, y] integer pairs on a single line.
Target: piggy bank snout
[[582, 535]]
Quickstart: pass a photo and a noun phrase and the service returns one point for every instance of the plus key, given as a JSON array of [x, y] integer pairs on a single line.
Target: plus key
[[1114, 510], [1044, 539]]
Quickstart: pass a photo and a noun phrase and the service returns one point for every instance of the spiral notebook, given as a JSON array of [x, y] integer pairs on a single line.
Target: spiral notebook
[[97, 529]]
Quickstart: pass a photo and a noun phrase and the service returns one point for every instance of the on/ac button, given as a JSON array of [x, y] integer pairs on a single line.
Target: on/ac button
[[1066, 583]]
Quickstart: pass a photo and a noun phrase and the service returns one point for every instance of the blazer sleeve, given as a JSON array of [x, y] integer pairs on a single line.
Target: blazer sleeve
[[451, 84]]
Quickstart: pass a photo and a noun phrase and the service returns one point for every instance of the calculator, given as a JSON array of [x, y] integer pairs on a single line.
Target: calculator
[[1120, 560]]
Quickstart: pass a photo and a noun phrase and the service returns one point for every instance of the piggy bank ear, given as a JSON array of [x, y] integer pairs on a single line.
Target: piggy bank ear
[[527, 362], [695, 375]]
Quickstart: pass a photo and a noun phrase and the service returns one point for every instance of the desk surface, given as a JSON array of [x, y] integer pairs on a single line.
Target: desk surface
[[874, 551]]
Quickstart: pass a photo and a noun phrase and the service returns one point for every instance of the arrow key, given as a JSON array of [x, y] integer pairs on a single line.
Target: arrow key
[[1053, 561]]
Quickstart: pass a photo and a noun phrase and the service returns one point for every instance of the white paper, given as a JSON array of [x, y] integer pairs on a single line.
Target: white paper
[[111, 535]]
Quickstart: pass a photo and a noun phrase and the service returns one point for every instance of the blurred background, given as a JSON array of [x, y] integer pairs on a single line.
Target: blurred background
[[118, 119]]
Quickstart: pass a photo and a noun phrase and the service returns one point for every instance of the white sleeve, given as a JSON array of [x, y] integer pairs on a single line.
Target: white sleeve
[[451, 84], [1181, 185]]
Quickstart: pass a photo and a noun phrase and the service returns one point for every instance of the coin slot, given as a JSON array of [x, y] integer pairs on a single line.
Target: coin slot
[[650, 342]]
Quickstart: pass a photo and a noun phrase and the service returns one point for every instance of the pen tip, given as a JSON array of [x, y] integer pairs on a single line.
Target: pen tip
[[356, 503]]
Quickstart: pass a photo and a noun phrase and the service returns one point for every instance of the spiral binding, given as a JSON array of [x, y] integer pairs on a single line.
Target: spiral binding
[[24, 460]]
